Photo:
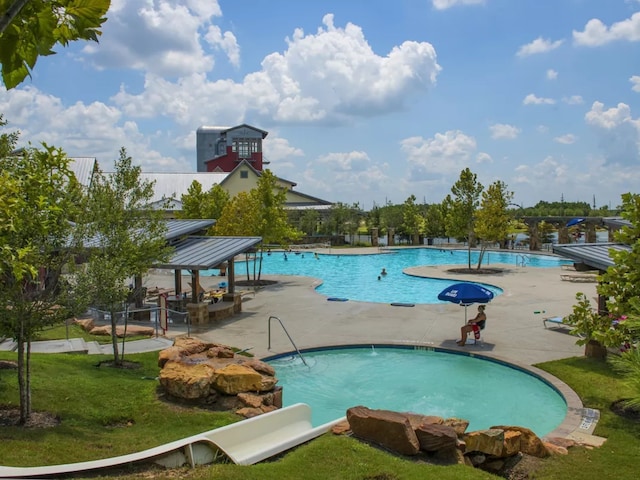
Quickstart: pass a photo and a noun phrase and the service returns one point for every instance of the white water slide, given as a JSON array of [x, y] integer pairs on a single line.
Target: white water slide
[[245, 443]]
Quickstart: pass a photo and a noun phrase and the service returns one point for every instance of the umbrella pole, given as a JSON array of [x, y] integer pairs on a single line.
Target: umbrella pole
[[465, 314]]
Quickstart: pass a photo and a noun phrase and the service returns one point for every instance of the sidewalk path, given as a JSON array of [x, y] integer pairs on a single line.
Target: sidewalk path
[[78, 345]]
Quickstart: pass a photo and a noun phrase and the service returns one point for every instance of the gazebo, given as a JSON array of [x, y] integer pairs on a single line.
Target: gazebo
[[195, 253]]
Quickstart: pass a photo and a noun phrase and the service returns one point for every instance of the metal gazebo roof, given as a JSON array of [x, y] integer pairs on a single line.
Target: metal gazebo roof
[[595, 255], [203, 253], [179, 228]]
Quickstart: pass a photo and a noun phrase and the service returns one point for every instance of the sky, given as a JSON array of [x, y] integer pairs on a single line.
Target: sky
[[365, 101]]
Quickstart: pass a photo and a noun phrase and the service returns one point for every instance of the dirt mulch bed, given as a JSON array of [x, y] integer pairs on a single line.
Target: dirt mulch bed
[[477, 271], [10, 417], [255, 283]]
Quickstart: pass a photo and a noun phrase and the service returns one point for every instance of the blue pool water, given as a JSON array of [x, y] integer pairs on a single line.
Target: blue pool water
[[355, 277], [429, 382]]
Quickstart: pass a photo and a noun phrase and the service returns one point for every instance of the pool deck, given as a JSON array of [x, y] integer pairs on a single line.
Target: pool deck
[[513, 333]]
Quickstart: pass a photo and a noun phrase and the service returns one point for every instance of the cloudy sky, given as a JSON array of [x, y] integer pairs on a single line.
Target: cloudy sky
[[364, 100]]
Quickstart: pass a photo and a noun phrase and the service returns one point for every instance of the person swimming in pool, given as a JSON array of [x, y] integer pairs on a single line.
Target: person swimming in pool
[[474, 325], [384, 271]]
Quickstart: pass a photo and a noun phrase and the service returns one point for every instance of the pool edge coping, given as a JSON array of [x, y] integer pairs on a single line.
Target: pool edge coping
[[575, 408]]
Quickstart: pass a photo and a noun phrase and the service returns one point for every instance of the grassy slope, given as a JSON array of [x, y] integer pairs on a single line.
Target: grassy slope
[[107, 412]]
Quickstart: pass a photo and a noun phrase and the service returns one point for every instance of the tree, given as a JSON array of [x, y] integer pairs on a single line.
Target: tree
[[434, 221], [273, 225], [259, 212], [336, 221], [38, 196], [127, 238], [412, 219], [272, 221], [239, 217], [619, 324], [492, 218], [199, 204], [30, 28], [462, 208], [309, 221], [621, 282]]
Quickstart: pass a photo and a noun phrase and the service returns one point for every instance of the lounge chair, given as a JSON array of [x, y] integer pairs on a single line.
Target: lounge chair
[[555, 321]]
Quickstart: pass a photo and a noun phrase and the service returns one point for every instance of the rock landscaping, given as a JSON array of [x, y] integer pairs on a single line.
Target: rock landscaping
[[212, 375], [447, 440], [89, 326]]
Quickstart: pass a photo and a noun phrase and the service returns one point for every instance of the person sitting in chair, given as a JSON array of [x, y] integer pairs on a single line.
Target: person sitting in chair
[[474, 325]]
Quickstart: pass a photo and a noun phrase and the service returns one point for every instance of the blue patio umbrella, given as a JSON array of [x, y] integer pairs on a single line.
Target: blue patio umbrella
[[574, 221], [466, 294]]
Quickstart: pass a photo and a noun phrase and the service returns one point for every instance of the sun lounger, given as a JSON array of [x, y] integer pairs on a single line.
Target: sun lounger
[[555, 321]]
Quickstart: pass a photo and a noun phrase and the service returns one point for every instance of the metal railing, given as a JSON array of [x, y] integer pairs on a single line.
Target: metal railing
[[154, 315], [289, 336], [521, 260]]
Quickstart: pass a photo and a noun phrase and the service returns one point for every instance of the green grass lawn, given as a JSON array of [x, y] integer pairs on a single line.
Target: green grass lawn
[[107, 412]]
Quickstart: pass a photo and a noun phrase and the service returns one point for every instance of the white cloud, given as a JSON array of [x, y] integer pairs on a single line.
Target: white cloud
[[444, 4], [539, 45], [552, 74], [226, 42], [618, 133], [278, 151], [445, 153], [483, 157], [549, 171], [503, 130], [635, 81], [330, 77], [573, 100], [596, 33], [93, 129], [161, 37], [343, 173], [542, 129], [567, 139], [531, 99]]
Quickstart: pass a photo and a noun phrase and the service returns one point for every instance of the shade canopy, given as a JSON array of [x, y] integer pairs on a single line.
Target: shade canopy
[[465, 294], [574, 221]]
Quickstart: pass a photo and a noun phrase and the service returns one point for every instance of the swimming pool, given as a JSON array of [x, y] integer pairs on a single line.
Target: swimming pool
[[418, 380], [355, 277]]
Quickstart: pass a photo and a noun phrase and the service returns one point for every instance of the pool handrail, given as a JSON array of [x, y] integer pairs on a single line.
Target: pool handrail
[[289, 336]]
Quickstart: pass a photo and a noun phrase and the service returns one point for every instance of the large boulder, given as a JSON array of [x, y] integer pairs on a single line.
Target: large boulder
[[417, 419], [172, 353], [234, 379], [86, 324], [259, 366], [191, 345], [434, 437], [530, 443], [390, 430], [130, 331], [490, 442], [188, 381], [460, 425], [511, 444]]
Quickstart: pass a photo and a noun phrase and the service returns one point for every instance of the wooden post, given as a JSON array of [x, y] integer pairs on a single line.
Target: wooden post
[[177, 275]]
